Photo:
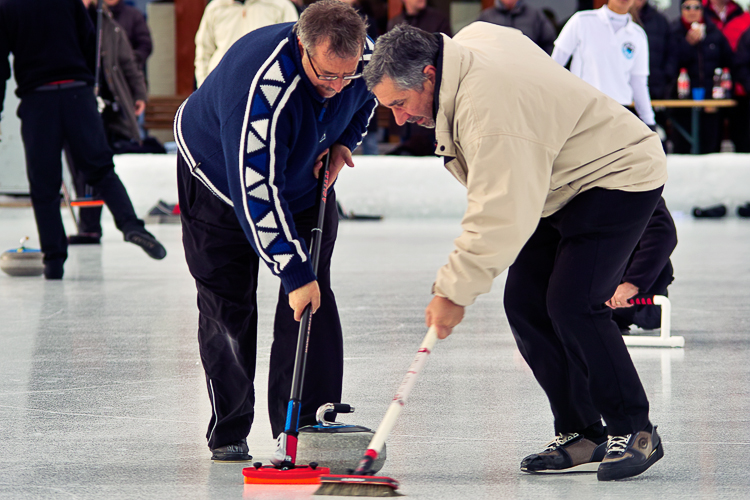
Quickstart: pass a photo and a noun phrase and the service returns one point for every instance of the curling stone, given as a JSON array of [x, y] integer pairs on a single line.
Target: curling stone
[[22, 261], [335, 445]]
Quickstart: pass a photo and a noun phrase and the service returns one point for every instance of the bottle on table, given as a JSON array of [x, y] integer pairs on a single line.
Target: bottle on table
[[683, 85], [717, 92]]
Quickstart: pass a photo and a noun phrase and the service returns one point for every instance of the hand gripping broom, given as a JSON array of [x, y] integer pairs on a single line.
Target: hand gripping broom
[[361, 482]]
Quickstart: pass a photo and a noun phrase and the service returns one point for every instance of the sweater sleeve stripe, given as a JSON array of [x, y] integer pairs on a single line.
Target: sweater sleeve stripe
[[258, 138]]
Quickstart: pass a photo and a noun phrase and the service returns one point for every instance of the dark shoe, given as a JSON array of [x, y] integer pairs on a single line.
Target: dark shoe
[[53, 269], [567, 453], [714, 212], [85, 239], [630, 455], [147, 242], [232, 452], [744, 210]]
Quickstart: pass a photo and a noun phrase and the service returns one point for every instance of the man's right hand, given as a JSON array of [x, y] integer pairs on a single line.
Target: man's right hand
[[306, 294]]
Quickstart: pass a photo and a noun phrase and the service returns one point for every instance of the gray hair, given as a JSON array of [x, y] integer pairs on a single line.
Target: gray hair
[[401, 55], [335, 22]]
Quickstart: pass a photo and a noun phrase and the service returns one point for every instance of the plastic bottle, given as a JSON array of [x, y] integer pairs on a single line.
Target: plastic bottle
[[717, 92], [683, 85], [726, 83]]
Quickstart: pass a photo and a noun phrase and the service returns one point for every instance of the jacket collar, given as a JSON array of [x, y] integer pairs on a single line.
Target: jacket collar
[[603, 13], [458, 59]]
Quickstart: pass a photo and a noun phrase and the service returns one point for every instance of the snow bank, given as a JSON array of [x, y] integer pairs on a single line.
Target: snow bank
[[405, 187]]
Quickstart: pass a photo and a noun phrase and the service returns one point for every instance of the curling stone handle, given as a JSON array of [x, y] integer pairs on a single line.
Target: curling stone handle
[[342, 408]]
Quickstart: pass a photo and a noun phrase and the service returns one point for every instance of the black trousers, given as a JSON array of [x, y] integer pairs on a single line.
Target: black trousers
[[554, 300], [49, 120], [225, 268]]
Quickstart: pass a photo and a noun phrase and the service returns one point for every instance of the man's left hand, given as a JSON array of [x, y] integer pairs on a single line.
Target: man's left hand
[[444, 315], [623, 293], [340, 156]]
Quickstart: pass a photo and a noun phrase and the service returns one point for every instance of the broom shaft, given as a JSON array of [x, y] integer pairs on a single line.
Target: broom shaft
[[394, 410]]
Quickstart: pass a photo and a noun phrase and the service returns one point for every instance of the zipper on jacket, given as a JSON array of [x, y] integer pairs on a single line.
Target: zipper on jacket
[[323, 111]]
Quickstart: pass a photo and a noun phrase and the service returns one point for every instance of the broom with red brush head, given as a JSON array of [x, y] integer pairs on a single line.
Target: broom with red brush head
[[361, 482]]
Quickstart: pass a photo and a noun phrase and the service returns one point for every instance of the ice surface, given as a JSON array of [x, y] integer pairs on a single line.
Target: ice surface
[[103, 394]]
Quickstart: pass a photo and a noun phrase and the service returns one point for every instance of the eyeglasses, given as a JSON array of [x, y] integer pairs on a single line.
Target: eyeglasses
[[692, 7], [331, 78]]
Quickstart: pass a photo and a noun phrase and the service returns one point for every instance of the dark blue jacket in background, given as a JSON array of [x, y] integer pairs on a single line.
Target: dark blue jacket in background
[[701, 59], [252, 132], [657, 29]]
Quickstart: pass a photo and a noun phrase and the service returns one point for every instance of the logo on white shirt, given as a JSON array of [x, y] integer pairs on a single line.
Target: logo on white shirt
[[628, 50]]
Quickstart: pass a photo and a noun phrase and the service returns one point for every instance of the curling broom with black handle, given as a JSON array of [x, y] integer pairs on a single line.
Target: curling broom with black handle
[[286, 450]]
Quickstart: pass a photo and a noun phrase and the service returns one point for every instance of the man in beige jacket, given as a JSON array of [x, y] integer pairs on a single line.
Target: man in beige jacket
[[561, 181], [226, 21]]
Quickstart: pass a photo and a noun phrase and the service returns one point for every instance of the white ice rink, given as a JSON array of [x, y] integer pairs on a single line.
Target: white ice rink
[[103, 395]]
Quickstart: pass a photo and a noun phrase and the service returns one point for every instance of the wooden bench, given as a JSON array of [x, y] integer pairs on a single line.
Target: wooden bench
[[160, 111]]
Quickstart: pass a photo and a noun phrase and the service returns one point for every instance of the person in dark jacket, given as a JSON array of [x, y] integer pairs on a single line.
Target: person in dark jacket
[[733, 22], [649, 272], [251, 139], [53, 42], [531, 21], [656, 26], [416, 13], [122, 90], [700, 50], [415, 140], [134, 24]]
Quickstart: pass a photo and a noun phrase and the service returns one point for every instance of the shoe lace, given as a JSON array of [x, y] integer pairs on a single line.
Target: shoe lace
[[560, 440], [617, 444]]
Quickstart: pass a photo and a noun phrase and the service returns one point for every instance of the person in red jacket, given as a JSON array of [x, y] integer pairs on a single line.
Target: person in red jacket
[[729, 17]]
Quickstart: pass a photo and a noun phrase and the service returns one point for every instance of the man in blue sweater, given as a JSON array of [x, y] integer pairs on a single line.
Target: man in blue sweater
[[251, 140], [52, 42]]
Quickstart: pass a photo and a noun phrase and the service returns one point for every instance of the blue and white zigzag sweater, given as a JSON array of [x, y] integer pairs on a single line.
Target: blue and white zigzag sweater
[[251, 134]]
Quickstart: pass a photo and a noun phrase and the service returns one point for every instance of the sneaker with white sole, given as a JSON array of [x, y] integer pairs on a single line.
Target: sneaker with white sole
[[565, 454], [630, 455]]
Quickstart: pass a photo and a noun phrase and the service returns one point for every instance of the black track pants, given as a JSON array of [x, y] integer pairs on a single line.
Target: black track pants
[[50, 119], [225, 268], [554, 300]]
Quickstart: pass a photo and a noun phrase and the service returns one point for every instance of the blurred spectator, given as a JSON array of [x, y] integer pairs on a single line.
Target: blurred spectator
[[656, 26], [733, 22], [226, 21], [122, 86], [416, 13], [698, 46], [133, 22], [416, 140], [370, 141], [610, 52], [122, 90], [742, 61], [529, 20]]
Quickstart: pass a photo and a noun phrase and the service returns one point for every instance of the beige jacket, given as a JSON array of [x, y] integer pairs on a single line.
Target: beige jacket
[[525, 137], [226, 21]]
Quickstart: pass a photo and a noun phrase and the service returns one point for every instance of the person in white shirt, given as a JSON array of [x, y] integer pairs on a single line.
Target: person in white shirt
[[610, 52], [226, 21]]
